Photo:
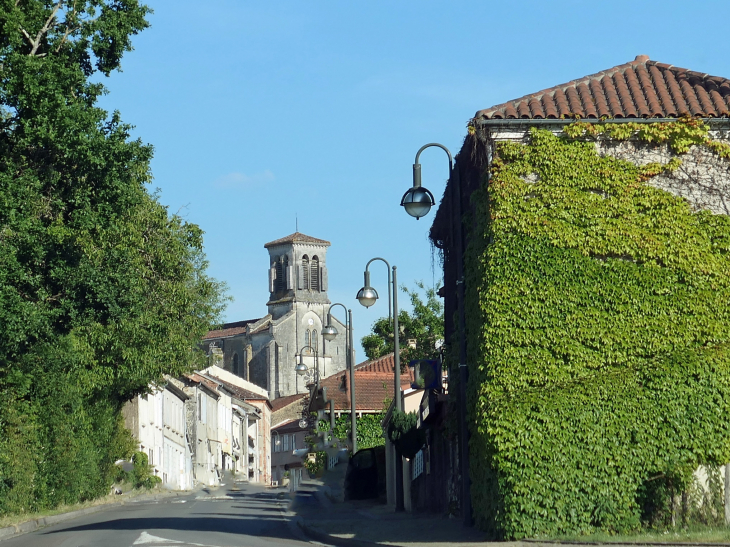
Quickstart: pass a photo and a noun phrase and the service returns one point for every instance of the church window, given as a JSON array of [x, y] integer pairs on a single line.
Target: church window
[[308, 339], [236, 366], [314, 340], [279, 276], [314, 277], [305, 270], [281, 270]]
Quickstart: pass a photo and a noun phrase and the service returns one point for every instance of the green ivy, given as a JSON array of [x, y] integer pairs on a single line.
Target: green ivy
[[369, 430], [598, 326]]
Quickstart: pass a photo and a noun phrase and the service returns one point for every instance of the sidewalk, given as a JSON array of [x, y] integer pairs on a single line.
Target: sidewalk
[[318, 507], [324, 516]]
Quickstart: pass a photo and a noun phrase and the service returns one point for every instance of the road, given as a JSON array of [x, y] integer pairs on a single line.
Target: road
[[241, 515]]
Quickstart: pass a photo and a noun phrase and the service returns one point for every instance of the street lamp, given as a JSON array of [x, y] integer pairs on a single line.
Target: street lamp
[[417, 202], [302, 368], [329, 333], [367, 297]]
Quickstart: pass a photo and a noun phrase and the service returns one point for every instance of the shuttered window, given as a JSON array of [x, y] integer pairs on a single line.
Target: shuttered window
[[314, 277], [305, 269]]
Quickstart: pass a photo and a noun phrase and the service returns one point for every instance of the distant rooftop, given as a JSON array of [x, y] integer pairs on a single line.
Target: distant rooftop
[[297, 237]]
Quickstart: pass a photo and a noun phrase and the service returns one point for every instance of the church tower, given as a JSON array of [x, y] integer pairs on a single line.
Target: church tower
[[298, 274], [266, 351]]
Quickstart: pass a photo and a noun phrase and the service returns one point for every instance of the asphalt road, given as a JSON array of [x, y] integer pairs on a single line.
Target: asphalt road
[[244, 515]]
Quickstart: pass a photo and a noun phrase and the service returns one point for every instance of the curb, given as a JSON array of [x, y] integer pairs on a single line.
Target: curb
[[35, 524], [323, 537]]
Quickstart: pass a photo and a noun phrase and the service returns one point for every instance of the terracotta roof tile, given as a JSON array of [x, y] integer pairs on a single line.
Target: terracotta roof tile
[[237, 391], [281, 402], [230, 329], [641, 88], [372, 389], [297, 237]]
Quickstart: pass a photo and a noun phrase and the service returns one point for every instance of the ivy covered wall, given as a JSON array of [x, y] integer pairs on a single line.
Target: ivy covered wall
[[598, 327]]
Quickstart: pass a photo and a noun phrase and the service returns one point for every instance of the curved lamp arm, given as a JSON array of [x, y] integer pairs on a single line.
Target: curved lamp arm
[[367, 281], [418, 200], [329, 313], [417, 166]]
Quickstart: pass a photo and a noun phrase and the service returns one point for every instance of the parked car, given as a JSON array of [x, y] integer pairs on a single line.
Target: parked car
[[365, 476]]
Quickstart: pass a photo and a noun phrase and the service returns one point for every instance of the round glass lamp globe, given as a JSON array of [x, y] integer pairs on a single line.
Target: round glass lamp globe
[[301, 369], [329, 332], [367, 296], [417, 202]]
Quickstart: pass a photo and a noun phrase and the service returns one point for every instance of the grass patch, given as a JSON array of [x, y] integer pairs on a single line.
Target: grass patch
[[691, 534], [19, 518]]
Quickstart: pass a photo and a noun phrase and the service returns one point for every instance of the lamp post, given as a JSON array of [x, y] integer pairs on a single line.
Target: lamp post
[[417, 201], [278, 438], [302, 368], [329, 333], [367, 297]]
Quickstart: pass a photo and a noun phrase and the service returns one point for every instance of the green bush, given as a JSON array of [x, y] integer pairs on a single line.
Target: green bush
[[369, 430], [404, 433], [598, 331], [141, 475], [316, 467]]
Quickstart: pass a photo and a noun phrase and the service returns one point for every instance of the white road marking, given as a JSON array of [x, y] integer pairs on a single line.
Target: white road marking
[[148, 539]]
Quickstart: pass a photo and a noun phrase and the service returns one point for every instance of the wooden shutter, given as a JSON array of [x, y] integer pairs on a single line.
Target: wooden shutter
[[323, 278], [289, 277], [300, 277], [272, 278], [314, 279]]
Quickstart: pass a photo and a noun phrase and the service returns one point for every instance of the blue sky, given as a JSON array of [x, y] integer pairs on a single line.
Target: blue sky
[[263, 112]]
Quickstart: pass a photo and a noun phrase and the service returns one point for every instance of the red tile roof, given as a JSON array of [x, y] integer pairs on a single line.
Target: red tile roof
[[237, 391], [200, 380], [373, 385], [281, 402], [639, 89], [386, 363], [230, 329], [297, 237]]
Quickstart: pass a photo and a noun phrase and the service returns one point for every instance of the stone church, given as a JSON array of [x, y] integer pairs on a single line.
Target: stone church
[[266, 350]]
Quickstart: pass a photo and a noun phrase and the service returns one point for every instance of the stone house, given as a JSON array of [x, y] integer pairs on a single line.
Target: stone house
[[252, 404], [265, 350], [157, 421], [639, 92], [202, 419]]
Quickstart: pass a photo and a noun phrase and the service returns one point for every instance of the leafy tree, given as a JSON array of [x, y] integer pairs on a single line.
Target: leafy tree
[[425, 325], [101, 290]]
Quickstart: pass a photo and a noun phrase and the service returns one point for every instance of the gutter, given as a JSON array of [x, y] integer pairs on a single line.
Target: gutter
[[567, 121]]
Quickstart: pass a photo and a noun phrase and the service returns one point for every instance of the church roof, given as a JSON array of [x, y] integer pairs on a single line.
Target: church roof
[[297, 237], [641, 88], [230, 329]]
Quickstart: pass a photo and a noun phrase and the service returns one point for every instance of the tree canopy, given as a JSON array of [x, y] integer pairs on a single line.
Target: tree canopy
[[424, 326], [102, 291]]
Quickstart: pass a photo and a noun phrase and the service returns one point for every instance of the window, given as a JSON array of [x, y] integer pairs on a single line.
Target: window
[[315, 340], [279, 276], [282, 265], [285, 441], [314, 277], [308, 339], [236, 366]]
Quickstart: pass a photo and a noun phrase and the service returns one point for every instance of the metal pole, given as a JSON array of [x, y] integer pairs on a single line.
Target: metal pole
[[399, 505], [396, 345], [353, 400]]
